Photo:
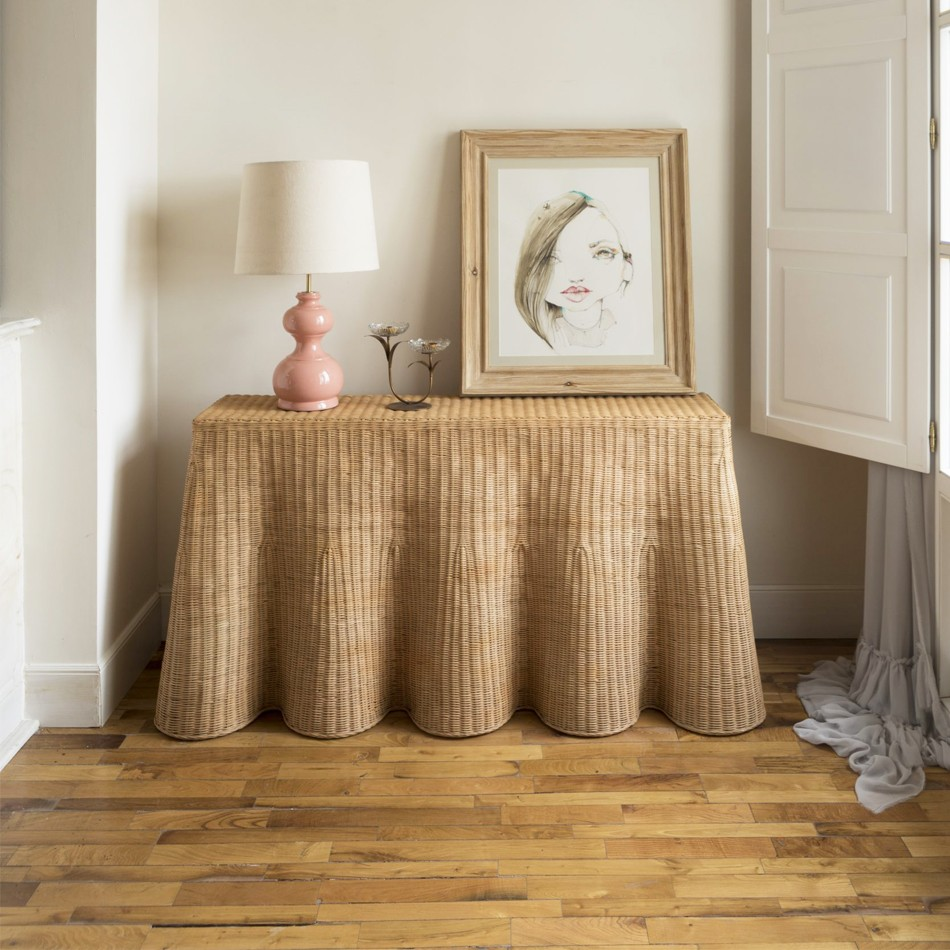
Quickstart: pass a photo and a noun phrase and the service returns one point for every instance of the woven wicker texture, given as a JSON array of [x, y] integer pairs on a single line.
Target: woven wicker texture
[[581, 557]]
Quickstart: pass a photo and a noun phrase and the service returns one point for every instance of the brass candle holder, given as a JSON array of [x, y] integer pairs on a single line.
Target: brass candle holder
[[384, 332]]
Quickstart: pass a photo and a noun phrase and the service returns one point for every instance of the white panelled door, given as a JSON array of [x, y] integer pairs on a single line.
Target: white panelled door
[[841, 309]]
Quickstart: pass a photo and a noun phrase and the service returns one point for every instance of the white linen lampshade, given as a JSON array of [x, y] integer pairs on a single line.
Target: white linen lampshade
[[306, 217]]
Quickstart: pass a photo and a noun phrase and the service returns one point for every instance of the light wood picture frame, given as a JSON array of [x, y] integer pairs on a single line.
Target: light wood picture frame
[[576, 262]]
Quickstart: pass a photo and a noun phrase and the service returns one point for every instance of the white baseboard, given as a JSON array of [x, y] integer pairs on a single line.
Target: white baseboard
[[66, 694], [130, 655], [85, 694], [13, 741], [14, 729], [787, 612]]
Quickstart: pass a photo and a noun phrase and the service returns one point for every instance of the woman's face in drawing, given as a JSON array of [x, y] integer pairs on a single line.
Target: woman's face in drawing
[[588, 263]]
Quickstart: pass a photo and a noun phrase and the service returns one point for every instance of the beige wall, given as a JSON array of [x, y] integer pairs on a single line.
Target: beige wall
[[392, 82], [79, 195], [49, 272]]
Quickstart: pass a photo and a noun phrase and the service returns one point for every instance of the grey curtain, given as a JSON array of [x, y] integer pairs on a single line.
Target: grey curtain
[[881, 709]]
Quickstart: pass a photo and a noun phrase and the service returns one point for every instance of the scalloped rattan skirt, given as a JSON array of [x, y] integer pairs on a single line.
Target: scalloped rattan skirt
[[582, 557]]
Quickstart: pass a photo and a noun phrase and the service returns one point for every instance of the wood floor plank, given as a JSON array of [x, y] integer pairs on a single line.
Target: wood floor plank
[[120, 893], [778, 795], [439, 910], [710, 746], [701, 763], [383, 935], [363, 802], [31, 756], [11, 916], [477, 832], [594, 815], [587, 765], [327, 786], [728, 813], [936, 811], [82, 854], [77, 937], [459, 752], [155, 789], [466, 769], [143, 802], [430, 889], [15, 772], [908, 927], [605, 750], [251, 836], [154, 873], [928, 846], [765, 885], [280, 852], [902, 885], [630, 867], [842, 847], [578, 932], [166, 819], [693, 848], [609, 887], [923, 865], [787, 782], [817, 812], [905, 945], [376, 816], [742, 931], [632, 797], [683, 781], [510, 785], [545, 849], [646, 907], [715, 829], [69, 822], [246, 915], [856, 905], [902, 829], [383, 870], [200, 772], [59, 836], [220, 893], [316, 937], [16, 893]]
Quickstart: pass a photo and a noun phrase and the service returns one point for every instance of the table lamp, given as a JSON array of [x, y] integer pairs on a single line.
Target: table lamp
[[306, 217]]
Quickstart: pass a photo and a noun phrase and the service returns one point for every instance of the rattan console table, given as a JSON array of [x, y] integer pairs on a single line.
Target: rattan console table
[[582, 557]]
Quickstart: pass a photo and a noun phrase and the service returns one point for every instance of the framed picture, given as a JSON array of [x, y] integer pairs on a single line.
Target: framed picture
[[575, 262]]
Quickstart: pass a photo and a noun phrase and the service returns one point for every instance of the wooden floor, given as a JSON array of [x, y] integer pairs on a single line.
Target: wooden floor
[[120, 838]]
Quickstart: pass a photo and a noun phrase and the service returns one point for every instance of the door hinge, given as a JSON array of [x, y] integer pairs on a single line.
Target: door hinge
[[933, 133], [933, 436]]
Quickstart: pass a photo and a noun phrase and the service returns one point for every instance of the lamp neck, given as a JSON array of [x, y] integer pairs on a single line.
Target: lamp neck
[[309, 283]]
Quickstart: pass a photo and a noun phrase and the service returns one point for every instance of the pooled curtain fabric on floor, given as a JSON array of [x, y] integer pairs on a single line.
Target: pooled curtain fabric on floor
[[882, 709]]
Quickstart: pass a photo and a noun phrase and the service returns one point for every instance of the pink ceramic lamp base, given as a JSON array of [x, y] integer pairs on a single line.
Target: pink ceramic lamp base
[[308, 380]]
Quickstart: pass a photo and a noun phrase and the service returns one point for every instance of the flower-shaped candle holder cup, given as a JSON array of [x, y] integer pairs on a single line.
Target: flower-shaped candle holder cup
[[384, 332]]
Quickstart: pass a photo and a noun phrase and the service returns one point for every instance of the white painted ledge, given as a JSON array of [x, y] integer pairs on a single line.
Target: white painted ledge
[[14, 329]]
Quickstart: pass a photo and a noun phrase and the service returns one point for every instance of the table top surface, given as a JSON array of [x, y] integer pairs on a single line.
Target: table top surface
[[508, 410]]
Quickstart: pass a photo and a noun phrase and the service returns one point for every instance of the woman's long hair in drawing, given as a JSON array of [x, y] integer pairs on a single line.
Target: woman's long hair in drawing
[[535, 261]]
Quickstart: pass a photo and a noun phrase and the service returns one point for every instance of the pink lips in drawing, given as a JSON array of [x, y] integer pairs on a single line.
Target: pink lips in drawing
[[575, 294]]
